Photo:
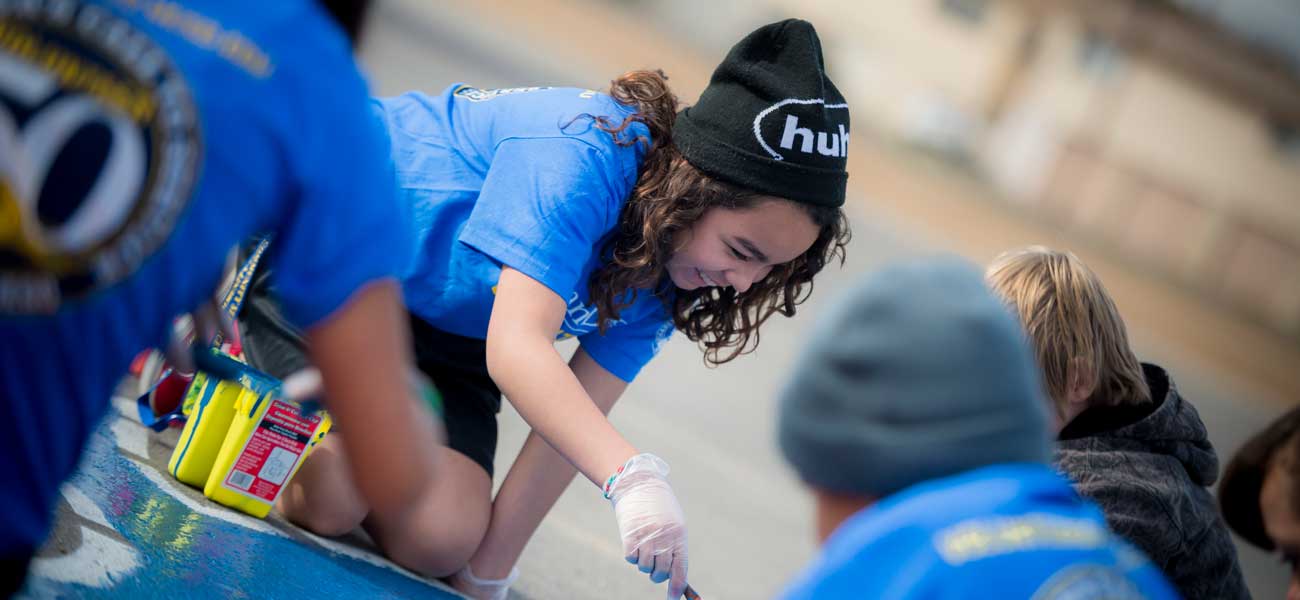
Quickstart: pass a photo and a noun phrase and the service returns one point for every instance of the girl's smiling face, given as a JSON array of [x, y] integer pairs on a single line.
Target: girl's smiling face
[[738, 247]]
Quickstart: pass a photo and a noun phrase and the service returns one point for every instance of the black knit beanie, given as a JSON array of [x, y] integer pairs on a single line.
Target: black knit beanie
[[770, 120]]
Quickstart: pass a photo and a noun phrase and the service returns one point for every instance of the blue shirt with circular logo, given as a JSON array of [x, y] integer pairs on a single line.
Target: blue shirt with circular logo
[[140, 141]]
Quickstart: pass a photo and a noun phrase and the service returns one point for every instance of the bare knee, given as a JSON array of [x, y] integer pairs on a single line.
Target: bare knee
[[321, 497], [439, 556], [324, 519], [439, 536]]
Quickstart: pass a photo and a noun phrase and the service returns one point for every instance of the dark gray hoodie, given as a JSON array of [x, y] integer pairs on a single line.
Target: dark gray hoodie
[[1149, 468]]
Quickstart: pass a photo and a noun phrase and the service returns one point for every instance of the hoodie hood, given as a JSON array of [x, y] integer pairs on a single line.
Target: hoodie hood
[[1149, 468], [1169, 427]]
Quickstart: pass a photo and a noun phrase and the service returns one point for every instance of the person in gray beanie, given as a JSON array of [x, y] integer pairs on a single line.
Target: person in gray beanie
[[917, 417]]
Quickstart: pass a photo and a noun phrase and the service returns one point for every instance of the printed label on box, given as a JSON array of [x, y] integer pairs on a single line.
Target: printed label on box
[[272, 452]]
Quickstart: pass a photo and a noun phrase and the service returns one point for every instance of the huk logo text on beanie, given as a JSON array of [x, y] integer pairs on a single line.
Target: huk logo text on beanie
[[800, 139]]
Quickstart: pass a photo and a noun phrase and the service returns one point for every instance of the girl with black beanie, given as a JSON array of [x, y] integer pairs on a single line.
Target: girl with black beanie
[[616, 218]]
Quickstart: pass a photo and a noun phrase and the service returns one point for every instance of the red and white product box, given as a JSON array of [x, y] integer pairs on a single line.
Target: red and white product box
[[272, 452]]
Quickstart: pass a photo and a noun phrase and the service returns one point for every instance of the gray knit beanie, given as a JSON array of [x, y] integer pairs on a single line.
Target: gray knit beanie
[[917, 373]]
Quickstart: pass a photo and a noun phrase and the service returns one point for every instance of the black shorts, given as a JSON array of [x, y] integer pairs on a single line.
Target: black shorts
[[471, 400], [457, 365]]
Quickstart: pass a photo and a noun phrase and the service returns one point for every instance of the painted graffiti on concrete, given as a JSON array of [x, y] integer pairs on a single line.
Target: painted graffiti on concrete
[[125, 528]]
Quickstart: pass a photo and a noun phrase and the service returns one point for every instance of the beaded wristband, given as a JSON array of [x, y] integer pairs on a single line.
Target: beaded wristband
[[609, 483]]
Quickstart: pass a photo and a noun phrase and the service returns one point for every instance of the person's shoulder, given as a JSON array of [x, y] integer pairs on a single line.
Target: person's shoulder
[[300, 31], [916, 518], [1141, 506], [565, 112], [869, 556], [317, 91], [1046, 549], [272, 42], [314, 49], [298, 56], [1123, 477], [603, 108], [576, 99], [1020, 522]]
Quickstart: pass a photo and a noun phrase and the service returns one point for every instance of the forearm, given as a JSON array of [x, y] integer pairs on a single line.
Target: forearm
[[523, 362], [550, 398], [536, 480], [363, 356]]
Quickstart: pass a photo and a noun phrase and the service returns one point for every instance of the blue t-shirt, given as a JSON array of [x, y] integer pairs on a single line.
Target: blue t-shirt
[[1006, 531], [140, 141], [519, 177]]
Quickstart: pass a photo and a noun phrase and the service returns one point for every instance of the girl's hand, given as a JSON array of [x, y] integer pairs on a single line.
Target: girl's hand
[[475, 587], [650, 521]]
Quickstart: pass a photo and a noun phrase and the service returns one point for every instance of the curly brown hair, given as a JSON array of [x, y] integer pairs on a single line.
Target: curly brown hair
[[670, 195]]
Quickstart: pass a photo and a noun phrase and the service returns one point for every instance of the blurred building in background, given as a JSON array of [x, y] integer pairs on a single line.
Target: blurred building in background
[[1168, 132]]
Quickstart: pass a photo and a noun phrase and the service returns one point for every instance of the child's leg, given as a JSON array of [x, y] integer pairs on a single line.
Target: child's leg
[[321, 496], [444, 532], [437, 539]]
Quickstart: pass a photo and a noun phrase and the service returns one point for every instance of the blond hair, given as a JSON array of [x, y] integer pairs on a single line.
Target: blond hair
[[1072, 323]]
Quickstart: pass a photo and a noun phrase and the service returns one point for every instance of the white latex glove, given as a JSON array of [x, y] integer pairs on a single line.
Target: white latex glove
[[650, 521], [475, 587]]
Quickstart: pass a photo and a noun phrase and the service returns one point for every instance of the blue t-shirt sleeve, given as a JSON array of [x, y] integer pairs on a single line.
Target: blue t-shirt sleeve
[[543, 209], [624, 349], [347, 227]]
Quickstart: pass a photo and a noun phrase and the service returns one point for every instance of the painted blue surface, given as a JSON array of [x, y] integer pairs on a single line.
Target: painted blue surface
[[153, 544]]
